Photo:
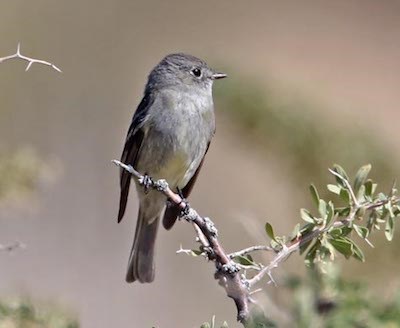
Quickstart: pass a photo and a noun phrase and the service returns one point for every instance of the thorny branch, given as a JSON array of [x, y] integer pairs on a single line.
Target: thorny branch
[[237, 286], [30, 60], [227, 271]]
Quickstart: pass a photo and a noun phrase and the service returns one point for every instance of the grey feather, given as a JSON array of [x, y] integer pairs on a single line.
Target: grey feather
[[168, 138]]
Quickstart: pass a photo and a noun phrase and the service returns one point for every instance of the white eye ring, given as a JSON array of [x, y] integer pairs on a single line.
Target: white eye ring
[[196, 72]]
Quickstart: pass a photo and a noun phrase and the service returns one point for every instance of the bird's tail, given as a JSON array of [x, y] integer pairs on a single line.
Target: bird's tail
[[141, 261]]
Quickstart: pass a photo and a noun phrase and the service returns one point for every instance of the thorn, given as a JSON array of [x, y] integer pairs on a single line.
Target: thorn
[[256, 291], [272, 280], [28, 66], [56, 68]]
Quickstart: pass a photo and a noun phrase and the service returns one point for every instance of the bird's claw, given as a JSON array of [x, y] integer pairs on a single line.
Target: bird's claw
[[229, 268], [185, 210], [147, 182]]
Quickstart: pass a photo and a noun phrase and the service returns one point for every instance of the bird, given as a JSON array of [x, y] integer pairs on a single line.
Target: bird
[[168, 138]]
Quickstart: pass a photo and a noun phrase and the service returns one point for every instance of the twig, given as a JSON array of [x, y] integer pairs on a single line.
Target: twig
[[256, 291], [200, 236], [187, 251], [349, 188], [297, 243], [250, 250], [30, 60]]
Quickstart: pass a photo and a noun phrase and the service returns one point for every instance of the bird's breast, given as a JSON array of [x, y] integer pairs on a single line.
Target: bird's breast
[[176, 140]]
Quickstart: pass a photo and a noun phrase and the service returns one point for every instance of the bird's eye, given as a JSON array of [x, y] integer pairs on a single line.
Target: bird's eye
[[196, 72]]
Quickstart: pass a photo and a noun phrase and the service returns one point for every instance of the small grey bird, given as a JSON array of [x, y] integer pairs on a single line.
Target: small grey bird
[[168, 138]]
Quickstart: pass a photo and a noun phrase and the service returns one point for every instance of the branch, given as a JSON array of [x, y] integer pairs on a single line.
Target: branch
[[304, 239], [227, 271], [250, 250], [284, 254], [30, 60], [238, 286]]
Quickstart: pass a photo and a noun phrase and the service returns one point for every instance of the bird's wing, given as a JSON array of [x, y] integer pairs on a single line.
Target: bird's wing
[[172, 212], [130, 153]]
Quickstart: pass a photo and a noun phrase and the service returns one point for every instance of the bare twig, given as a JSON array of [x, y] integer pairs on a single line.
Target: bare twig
[[187, 251], [250, 250], [30, 60], [256, 291]]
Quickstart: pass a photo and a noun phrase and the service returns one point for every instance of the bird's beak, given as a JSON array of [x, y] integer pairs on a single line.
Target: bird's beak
[[217, 76]]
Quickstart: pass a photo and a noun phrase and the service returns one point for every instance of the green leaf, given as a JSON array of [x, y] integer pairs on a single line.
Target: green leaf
[[361, 212], [339, 170], [357, 252], [368, 188], [361, 231], [348, 248], [389, 228], [304, 246], [276, 245], [310, 257], [306, 216], [257, 318], [361, 176], [343, 211], [382, 197], [314, 194], [343, 246], [205, 325], [382, 215], [330, 213], [332, 252], [345, 195], [322, 208], [390, 209], [196, 252], [270, 231], [396, 211], [334, 189], [307, 228], [361, 193], [243, 260], [335, 232], [346, 231], [225, 325], [296, 232]]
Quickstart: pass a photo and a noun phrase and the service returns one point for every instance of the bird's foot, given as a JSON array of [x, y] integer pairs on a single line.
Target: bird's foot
[[147, 182], [229, 268], [180, 193], [186, 209]]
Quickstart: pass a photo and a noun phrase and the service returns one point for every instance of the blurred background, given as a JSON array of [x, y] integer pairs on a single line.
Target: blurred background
[[310, 84]]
